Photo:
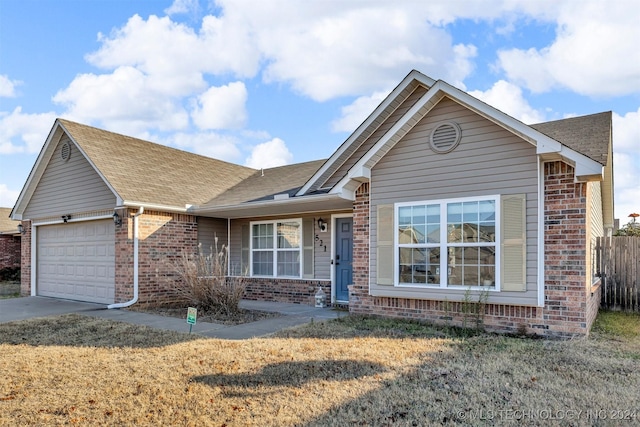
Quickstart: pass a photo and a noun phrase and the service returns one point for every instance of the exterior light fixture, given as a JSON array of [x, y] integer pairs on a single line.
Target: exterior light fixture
[[66, 218], [322, 224], [116, 219], [21, 229]]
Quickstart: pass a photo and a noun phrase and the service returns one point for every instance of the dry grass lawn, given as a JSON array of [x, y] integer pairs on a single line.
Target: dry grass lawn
[[76, 370]]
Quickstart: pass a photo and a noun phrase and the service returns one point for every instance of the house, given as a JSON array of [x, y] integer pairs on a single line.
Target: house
[[435, 199], [9, 244]]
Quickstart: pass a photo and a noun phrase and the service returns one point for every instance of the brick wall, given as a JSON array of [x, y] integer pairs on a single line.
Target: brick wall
[[566, 251], [10, 248], [25, 263], [570, 307], [285, 290], [162, 239]]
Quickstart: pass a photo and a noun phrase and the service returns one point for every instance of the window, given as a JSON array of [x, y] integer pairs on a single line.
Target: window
[[276, 248], [450, 243]]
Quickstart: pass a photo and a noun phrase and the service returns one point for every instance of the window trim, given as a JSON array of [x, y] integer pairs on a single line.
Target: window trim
[[275, 248], [444, 244]]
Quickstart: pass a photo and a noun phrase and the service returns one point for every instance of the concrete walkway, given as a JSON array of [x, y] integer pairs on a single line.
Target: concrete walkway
[[14, 309]]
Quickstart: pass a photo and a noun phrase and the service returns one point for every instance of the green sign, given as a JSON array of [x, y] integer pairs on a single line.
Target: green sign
[[192, 313]]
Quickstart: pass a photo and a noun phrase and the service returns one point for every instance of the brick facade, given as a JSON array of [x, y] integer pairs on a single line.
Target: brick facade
[[296, 291], [162, 239], [9, 251], [570, 306]]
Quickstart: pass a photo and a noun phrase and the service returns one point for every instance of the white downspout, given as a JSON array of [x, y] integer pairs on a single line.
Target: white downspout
[[135, 264]]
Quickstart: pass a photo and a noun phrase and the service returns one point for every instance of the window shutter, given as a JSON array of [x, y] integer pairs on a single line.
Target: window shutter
[[307, 247], [384, 249], [244, 250], [514, 240]]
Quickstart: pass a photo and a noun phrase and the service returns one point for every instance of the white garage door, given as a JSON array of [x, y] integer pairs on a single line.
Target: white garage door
[[77, 261]]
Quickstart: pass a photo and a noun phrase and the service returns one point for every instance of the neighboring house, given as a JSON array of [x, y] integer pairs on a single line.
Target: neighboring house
[[436, 199], [9, 241]]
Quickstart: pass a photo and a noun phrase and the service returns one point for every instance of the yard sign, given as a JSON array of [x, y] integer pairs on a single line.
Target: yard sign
[[192, 313]]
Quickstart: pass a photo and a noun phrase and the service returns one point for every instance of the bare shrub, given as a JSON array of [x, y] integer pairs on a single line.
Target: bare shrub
[[204, 282]]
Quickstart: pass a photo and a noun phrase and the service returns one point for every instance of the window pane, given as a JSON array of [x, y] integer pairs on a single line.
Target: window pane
[[263, 263], [262, 236], [404, 215], [487, 232], [418, 214], [454, 213], [433, 233], [289, 263], [487, 210], [288, 235], [470, 212]]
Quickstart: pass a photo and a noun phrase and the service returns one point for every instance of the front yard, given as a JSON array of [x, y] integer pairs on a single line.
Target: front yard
[[353, 371]]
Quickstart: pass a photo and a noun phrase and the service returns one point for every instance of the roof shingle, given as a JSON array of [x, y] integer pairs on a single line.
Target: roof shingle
[[145, 172]]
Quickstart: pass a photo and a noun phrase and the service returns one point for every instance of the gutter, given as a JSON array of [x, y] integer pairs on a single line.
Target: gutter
[[135, 264]]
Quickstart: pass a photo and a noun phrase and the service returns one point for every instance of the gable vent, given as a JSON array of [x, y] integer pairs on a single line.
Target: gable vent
[[65, 151], [445, 137]]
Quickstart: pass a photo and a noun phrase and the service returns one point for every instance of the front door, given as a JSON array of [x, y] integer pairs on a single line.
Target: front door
[[344, 258]]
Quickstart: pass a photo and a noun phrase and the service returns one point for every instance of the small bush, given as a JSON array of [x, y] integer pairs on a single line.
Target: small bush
[[204, 282], [10, 274]]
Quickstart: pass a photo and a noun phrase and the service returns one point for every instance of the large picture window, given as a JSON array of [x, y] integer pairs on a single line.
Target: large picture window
[[449, 243], [276, 248]]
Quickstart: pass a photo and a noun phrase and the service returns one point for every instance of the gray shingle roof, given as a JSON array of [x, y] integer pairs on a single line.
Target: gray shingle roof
[[589, 135], [263, 185], [142, 171]]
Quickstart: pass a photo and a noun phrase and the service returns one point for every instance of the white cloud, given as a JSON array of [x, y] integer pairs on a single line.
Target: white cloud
[[8, 86], [355, 113], [349, 56], [182, 6], [125, 100], [24, 133], [221, 107], [8, 197], [626, 164], [594, 53], [269, 154], [508, 98]]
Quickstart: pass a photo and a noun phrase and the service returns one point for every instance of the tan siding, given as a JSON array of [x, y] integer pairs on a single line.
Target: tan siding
[[321, 247], [67, 187], [208, 230], [375, 137], [488, 161], [595, 226]]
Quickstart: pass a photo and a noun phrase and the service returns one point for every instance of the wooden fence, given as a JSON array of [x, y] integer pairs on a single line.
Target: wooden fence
[[618, 259]]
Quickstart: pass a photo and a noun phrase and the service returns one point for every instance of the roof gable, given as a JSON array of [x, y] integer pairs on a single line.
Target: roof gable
[[546, 146], [366, 129], [138, 171]]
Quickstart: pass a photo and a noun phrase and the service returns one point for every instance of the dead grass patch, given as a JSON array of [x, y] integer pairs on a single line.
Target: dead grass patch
[[236, 317], [9, 289], [352, 371]]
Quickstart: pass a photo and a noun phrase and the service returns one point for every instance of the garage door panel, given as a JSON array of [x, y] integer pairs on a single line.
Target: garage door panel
[[77, 261]]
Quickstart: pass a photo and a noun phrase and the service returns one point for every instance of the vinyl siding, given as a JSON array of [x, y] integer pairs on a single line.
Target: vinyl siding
[[208, 230], [595, 226], [383, 127], [68, 187], [321, 257], [488, 161]]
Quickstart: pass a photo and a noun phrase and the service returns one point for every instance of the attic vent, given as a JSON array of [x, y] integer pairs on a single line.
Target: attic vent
[[445, 137], [65, 151]]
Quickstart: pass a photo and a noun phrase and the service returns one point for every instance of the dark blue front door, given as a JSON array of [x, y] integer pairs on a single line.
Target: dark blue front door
[[344, 257]]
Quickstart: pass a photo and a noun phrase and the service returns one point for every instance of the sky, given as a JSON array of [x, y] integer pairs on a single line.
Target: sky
[[265, 83]]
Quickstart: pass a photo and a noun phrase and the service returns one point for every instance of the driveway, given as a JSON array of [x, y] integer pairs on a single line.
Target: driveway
[[12, 309]]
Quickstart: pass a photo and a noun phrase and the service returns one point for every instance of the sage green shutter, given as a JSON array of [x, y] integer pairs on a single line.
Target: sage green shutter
[[244, 250], [307, 247], [384, 247], [513, 266]]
